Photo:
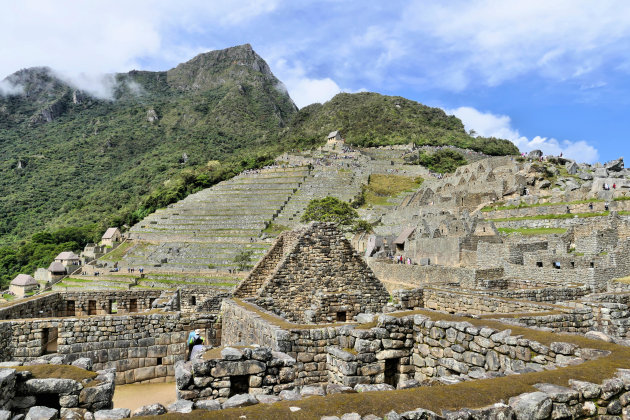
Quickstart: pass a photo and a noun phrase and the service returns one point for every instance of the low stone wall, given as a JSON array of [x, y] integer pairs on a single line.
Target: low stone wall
[[20, 392], [584, 400], [477, 303], [60, 304], [140, 347], [578, 320], [256, 371], [41, 306], [415, 347], [421, 275]]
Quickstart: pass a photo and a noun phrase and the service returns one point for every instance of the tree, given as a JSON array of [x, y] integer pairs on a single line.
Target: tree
[[330, 209], [442, 161], [243, 259], [362, 226]]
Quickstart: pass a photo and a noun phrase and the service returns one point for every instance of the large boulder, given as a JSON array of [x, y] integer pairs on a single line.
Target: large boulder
[[149, 410], [181, 406], [535, 154], [42, 413], [531, 406], [51, 386], [240, 400], [209, 405], [183, 375], [113, 414], [614, 165], [600, 173], [571, 167]]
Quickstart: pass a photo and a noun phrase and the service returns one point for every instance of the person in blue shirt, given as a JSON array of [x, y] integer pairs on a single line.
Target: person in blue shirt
[[194, 339]]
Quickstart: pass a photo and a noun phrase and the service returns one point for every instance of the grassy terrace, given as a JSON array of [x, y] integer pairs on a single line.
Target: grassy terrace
[[552, 216], [532, 231], [471, 394], [119, 252], [57, 371], [525, 206], [381, 187]]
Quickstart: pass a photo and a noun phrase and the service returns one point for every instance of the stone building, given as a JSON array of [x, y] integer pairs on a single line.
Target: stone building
[[68, 258], [111, 237], [334, 140], [22, 284], [314, 275]]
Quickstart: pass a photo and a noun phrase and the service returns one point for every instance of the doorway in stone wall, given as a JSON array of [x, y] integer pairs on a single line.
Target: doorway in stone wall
[[239, 385], [133, 305], [392, 368], [49, 340], [70, 310], [91, 307]]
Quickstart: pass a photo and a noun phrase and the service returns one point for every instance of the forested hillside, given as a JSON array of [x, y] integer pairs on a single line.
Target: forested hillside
[[370, 119], [72, 164]]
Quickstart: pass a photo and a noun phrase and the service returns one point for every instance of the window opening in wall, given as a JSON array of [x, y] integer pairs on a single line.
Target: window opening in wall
[[49, 340], [151, 300], [193, 300], [392, 367], [113, 306], [133, 305], [159, 361], [239, 385], [539, 264], [592, 264], [572, 264], [91, 307], [556, 265], [47, 400], [70, 309], [341, 316]]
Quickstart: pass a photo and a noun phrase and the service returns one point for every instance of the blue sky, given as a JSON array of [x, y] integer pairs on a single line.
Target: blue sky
[[550, 75]]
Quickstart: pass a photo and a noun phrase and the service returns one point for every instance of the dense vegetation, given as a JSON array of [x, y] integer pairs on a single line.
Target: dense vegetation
[[442, 161], [330, 209], [42, 248], [381, 187], [370, 119], [69, 159]]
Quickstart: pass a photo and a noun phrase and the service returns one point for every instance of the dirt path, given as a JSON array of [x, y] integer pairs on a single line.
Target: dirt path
[[133, 396]]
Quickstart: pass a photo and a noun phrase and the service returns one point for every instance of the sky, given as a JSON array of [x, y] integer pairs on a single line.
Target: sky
[[549, 75]]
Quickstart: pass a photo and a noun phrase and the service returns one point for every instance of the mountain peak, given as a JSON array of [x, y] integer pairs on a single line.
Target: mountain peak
[[211, 69]]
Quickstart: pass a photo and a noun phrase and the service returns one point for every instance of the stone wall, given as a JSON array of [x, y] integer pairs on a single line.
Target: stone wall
[[140, 347], [477, 303], [60, 304], [416, 347], [256, 371]]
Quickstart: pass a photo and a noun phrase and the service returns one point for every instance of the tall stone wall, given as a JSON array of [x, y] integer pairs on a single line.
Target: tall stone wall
[[140, 347], [473, 303]]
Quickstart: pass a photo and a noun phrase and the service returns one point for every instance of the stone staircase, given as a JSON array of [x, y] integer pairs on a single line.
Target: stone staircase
[[209, 228]]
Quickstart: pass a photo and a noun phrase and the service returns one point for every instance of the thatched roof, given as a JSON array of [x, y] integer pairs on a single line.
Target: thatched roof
[[24, 280]]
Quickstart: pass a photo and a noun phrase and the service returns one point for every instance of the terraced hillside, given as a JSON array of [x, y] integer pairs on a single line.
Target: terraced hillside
[[208, 229]]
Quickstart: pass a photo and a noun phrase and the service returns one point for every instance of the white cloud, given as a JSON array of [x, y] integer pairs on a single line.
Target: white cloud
[[491, 41], [303, 89], [487, 124], [94, 37], [8, 88]]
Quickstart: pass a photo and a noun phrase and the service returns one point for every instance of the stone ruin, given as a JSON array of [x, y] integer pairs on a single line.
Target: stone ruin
[[313, 318], [313, 275]]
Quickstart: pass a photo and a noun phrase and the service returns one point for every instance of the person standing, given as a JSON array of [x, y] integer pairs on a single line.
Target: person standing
[[194, 339]]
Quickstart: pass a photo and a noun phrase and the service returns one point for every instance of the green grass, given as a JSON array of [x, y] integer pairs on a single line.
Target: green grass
[[624, 198], [8, 297], [381, 187], [551, 216], [526, 206], [119, 252], [275, 229], [532, 231]]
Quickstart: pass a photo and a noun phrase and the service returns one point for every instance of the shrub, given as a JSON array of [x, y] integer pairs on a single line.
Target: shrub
[[330, 209]]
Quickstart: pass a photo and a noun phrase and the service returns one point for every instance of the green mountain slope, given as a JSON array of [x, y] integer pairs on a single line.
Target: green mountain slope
[[69, 159], [371, 119]]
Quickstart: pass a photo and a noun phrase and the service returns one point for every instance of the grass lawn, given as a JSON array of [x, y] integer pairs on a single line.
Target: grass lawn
[[119, 252], [380, 187], [552, 216], [533, 231]]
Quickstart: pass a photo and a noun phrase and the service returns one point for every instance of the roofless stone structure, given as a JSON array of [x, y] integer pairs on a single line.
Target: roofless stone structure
[[314, 275]]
